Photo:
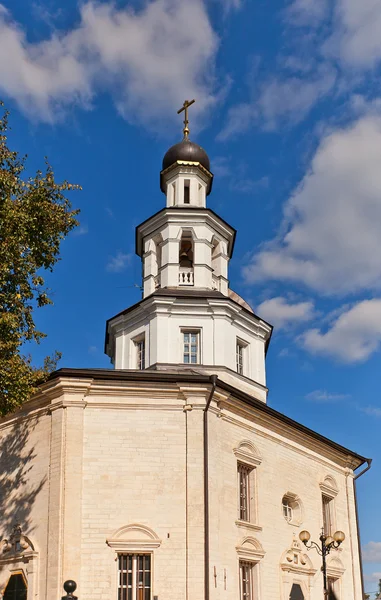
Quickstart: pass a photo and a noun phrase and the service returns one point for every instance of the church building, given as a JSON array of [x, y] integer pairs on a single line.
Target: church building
[[168, 477]]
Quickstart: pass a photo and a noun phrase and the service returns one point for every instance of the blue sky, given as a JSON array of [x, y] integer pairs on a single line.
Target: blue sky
[[289, 109]]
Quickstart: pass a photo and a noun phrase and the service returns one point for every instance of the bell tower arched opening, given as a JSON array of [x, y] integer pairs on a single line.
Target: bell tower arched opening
[[186, 252]]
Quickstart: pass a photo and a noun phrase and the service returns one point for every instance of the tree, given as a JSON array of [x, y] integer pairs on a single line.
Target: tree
[[35, 216]]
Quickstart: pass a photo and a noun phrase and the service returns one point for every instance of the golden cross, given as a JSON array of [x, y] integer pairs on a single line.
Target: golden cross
[[184, 108]]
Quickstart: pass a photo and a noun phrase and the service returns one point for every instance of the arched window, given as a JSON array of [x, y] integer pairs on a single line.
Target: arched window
[[16, 588], [186, 250]]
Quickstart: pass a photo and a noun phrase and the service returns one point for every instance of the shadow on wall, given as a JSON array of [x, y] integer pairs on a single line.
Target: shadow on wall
[[18, 490]]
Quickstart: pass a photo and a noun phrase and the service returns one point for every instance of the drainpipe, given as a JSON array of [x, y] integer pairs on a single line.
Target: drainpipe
[[213, 380], [369, 462]]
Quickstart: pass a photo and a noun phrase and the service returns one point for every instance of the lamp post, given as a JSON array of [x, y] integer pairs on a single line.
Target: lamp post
[[327, 542]]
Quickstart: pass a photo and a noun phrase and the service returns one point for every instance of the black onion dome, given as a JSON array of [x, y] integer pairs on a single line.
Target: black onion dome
[[188, 151]]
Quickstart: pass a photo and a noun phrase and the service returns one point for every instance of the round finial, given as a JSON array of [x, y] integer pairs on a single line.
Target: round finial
[[70, 586]]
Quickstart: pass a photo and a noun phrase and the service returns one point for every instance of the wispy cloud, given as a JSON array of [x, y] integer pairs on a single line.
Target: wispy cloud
[[372, 411], [81, 230], [279, 100], [353, 337], [371, 552], [119, 262], [166, 50], [329, 237], [324, 396], [92, 349], [372, 577], [281, 313]]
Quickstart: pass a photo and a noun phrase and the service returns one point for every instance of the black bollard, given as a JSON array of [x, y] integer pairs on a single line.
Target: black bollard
[[70, 586]]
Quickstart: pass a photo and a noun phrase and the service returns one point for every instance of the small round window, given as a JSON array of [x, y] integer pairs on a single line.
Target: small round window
[[292, 509]]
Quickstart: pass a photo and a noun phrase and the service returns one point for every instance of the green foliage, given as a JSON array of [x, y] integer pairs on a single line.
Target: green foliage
[[35, 216]]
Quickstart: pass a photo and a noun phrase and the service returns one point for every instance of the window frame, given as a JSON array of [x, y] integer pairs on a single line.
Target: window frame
[[328, 514], [329, 491], [135, 570], [287, 510], [246, 484], [139, 363], [191, 331], [247, 567], [241, 356], [295, 509], [248, 456]]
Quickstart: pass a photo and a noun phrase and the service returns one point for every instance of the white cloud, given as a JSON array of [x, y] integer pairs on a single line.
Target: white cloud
[[81, 230], [324, 396], [353, 337], [119, 262], [330, 236], [280, 313], [149, 60], [371, 411], [357, 30], [372, 577], [307, 12], [279, 99]]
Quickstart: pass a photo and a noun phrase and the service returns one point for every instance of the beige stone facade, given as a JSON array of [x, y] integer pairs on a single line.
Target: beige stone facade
[[170, 478], [108, 462]]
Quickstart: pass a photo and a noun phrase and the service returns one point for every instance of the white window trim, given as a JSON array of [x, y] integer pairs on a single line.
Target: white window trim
[[135, 352], [191, 330], [245, 357]]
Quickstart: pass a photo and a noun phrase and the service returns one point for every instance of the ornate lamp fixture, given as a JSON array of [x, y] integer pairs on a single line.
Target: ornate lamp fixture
[[327, 544]]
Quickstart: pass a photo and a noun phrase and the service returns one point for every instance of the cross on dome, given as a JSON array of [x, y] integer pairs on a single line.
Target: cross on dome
[[185, 106]]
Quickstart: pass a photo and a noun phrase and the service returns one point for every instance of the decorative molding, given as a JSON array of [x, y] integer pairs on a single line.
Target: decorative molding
[[16, 544], [247, 453], [250, 549], [335, 567], [329, 487], [134, 537], [247, 525], [295, 561]]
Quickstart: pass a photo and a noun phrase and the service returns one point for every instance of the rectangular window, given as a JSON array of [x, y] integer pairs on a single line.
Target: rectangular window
[[246, 581], [186, 191], [327, 505], [240, 351], [191, 347], [140, 348], [134, 581], [245, 483]]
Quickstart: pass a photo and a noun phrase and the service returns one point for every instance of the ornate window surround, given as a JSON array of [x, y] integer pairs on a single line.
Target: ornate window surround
[[297, 508], [246, 453], [250, 550], [18, 555], [296, 567], [329, 490], [134, 538], [329, 487]]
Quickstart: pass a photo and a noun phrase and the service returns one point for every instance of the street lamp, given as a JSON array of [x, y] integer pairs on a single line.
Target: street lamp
[[327, 543]]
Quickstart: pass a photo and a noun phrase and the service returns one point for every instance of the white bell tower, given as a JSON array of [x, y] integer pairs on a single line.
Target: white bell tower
[[188, 315]]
